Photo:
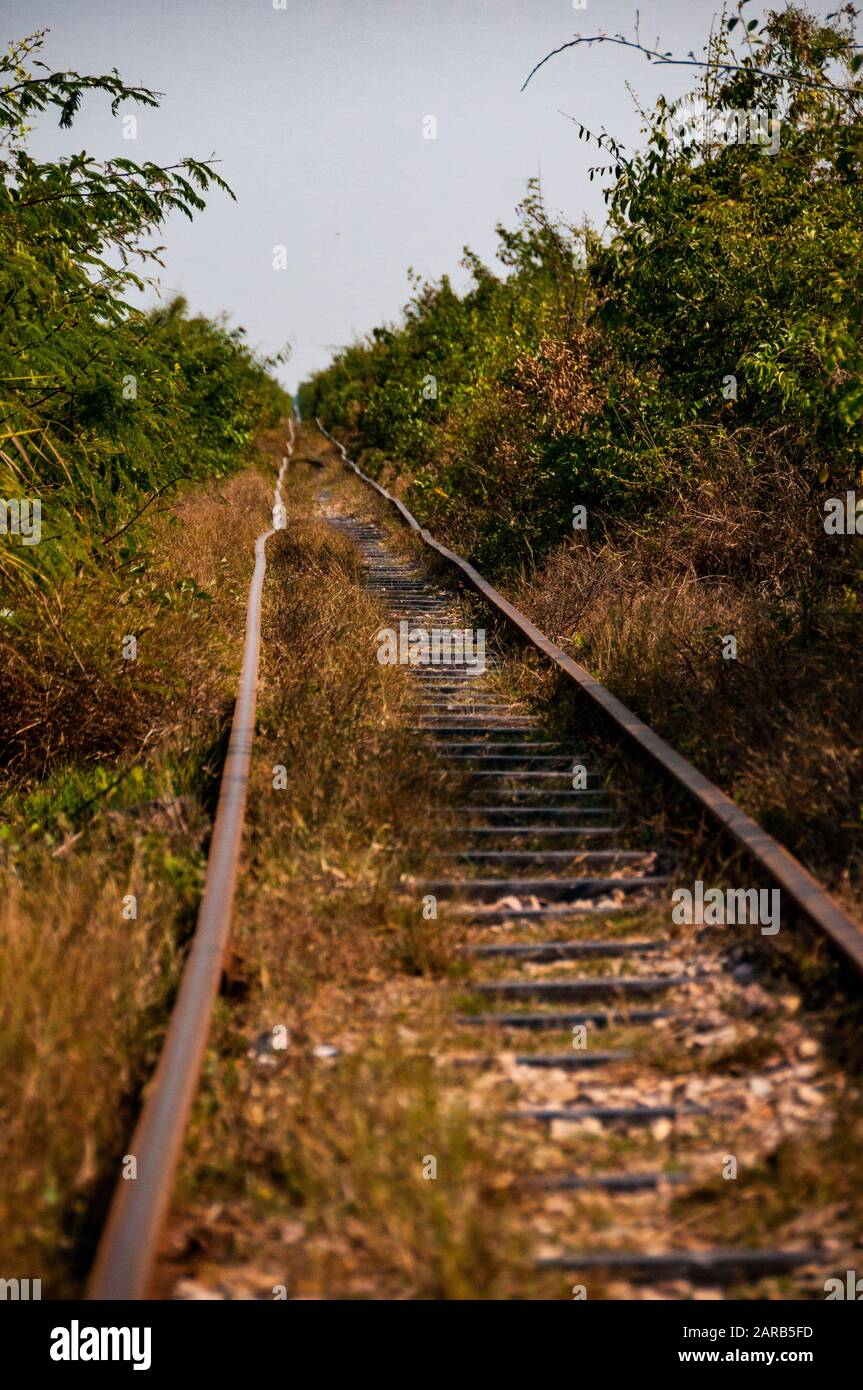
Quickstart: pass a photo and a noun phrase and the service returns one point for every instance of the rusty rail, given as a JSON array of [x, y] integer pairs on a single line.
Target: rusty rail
[[804, 891], [128, 1245]]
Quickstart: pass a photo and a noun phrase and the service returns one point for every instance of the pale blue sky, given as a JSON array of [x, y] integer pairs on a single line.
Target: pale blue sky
[[316, 113]]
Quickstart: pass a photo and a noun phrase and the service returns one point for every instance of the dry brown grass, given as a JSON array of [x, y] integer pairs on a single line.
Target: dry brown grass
[[107, 796], [85, 992], [303, 1171], [70, 696], [646, 609], [801, 1177]]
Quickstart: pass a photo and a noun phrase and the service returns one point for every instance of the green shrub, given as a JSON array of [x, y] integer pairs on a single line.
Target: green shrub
[[722, 309], [102, 406]]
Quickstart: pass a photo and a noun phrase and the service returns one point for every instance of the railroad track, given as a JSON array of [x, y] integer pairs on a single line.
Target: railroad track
[[127, 1250], [531, 861], [568, 938], [539, 869]]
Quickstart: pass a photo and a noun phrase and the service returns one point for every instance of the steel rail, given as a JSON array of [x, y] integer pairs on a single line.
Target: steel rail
[[128, 1245], [804, 891], [592, 998]]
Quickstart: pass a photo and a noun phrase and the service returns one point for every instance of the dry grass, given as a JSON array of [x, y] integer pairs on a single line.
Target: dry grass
[[801, 1186], [304, 1167], [646, 610], [70, 695], [303, 1171], [108, 795], [85, 994]]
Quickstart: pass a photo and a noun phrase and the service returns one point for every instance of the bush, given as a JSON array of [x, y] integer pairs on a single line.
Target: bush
[[722, 308], [102, 407]]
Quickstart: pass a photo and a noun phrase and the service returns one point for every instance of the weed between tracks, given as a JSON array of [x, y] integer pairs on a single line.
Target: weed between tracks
[[304, 1166], [305, 1170]]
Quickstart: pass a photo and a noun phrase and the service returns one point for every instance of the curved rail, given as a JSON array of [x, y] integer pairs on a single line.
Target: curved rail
[[786, 871], [128, 1245]]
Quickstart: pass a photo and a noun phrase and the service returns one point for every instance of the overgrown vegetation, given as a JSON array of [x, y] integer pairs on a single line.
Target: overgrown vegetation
[[133, 431], [341, 1066], [105, 410], [101, 868], [693, 378], [304, 1167]]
